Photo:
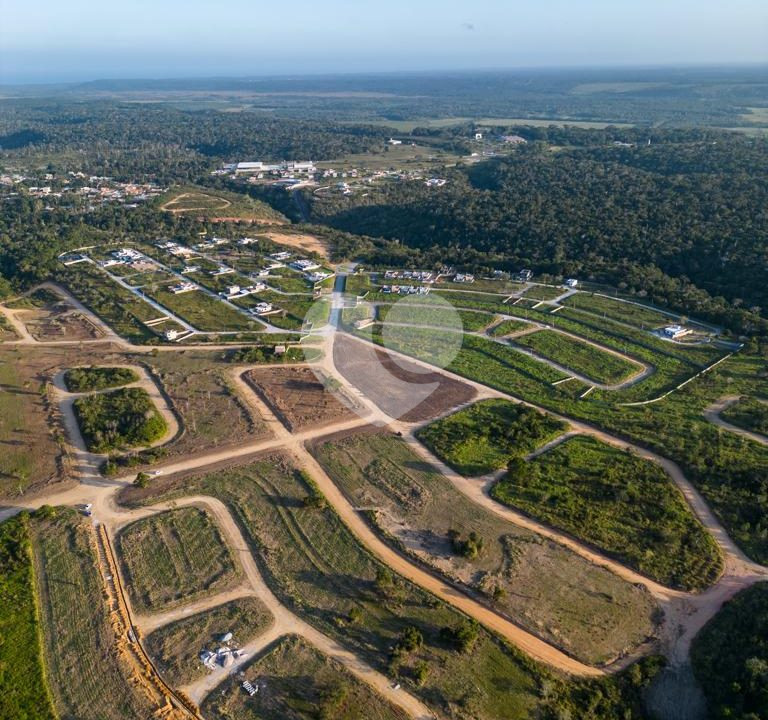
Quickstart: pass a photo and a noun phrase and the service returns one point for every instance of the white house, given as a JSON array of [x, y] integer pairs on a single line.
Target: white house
[[392, 141], [675, 331], [571, 282]]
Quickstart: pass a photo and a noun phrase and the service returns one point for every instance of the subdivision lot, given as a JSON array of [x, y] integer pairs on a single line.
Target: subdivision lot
[[317, 568], [47, 317], [298, 682], [175, 557], [622, 504], [394, 385], [176, 648], [30, 453], [433, 314], [583, 609], [123, 418], [87, 379], [88, 679], [543, 292], [507, 327], [587, 360], [204, 312], [749, 413], [297, 396], [632, 313], [485, 436]]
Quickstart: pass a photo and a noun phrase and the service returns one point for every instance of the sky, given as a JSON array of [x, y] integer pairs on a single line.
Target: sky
[[74, 40]]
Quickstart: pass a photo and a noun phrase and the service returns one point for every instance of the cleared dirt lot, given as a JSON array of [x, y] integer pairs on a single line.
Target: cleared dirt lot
[[393, 385], [297, 397], [57, 321], [307, 243]]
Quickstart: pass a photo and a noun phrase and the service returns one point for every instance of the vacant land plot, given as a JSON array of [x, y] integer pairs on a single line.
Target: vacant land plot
[[393, 384], [316, 566], [749, 413], [618, 502], [634, 314], [297, 396], [507, 327], [86, 379], [543, 292], [302, 241], [119, 308], [587, 360], [175, 557], [586, 610], [122, 418], [88, 679], [204, 312], [26, 693], [176, 647], [434, 314], [6, 330], [298, 682], [729, 656], [29, 451], [48, 317], [486, 435]]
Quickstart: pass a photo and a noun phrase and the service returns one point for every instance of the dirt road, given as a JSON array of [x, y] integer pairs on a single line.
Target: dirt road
[[712, 413]]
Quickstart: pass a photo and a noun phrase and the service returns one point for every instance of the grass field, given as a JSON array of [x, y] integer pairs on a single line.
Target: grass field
[[543, 292], [749, 413], [88, 679], [203, 312], [297, 681], [29, 451], [175, 557], [486, 435], [25, 691], [86, 379], [507, 327], [318, 569], [587, 360], [634, 314], [622, 504], [730, 655], [571, 603], [435, 314], [175, 648], [123, 418]]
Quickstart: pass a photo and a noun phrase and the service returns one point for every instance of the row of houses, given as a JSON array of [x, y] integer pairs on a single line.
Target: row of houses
[[405, 289], [419, 275]]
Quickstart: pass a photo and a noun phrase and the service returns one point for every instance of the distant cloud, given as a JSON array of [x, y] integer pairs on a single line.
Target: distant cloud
[[468, 26]]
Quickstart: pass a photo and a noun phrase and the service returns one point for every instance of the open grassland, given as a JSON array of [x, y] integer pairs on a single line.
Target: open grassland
[[317, 568], [118, 419], [29, 450], [297, 681], [25, 691], [542, 586], [587, 360], [120, 309], [628, 312], [486, 435], [87, 379], [203, 312], [749, 413], [175, 648], [88, 679], [175, 557], [624, 505], [730, 656]]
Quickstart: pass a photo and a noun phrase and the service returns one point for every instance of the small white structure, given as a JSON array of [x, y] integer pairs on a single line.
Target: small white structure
[[263, 308], [182, 287], [171, 335], [304, 265], [316, 277], [190, 269], [280, 256], [392, 141], [478, 136], [250, 689], [675, 332], [571, 283], [463, 278], [231, 291], [222, 270], [247, 241]]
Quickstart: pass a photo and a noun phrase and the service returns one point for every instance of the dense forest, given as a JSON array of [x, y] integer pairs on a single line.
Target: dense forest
[[683, 220]]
